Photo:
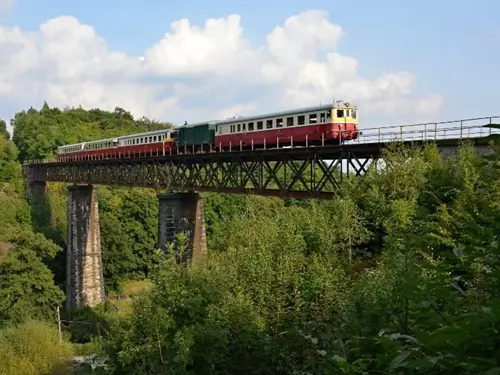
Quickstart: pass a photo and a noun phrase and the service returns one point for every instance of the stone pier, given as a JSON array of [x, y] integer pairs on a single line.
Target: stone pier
[[84, 272], [182, 212]]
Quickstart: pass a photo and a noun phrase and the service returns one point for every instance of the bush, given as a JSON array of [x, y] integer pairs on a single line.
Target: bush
[[33, 348]]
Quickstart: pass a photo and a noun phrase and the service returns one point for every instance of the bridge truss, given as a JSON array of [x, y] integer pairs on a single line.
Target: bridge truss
[[312, 172]]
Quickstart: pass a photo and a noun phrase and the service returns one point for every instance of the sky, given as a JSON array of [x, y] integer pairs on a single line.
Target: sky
[[401, 62]]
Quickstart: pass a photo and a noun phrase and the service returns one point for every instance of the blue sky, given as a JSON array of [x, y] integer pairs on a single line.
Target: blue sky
[[452, 48]]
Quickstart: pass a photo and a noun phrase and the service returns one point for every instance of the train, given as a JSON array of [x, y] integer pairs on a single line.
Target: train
[[325, 124]]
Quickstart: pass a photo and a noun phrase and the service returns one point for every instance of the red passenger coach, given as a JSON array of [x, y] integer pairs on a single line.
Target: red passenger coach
[[324, 124], [158, 142]]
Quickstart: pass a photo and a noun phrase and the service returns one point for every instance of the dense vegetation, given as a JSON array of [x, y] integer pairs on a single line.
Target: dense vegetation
[[397, 274]]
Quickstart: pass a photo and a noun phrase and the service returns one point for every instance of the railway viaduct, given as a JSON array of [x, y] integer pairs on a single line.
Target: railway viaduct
[[302, 172]]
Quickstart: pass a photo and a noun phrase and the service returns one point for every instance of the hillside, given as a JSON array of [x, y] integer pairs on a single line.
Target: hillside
[[397, 274]]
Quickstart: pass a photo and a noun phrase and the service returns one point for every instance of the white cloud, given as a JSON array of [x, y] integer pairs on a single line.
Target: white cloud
[[237, 110], [195, 73]]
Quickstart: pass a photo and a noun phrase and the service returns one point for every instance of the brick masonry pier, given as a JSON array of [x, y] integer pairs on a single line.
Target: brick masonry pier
[[84, 271], [182, 212]]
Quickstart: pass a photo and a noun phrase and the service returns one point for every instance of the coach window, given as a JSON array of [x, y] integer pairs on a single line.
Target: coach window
[[289, 121], [244, 127], [260, 125], [269, 124], [340, 113], [239, 127], [313, 118], [328, 115], [322, 117], [301, 120], [250, 126], [279, 122]]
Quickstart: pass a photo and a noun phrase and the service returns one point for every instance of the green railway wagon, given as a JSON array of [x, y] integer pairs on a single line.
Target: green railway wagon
[[196, 134]]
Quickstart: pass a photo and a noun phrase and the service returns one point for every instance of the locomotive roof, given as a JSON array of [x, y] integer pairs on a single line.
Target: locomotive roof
[[320, 107], [192, 125]]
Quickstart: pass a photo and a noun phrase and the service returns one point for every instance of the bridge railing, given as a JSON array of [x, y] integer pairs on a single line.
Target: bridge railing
[[455, 129]]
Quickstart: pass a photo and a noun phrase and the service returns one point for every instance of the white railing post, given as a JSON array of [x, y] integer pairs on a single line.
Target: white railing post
[[307, 141], [323, 139], [291, 141]]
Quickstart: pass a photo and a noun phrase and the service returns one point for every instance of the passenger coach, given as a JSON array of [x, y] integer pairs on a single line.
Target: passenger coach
[[323, 124]]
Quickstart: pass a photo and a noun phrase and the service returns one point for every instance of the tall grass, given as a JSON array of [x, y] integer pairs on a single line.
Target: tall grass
[[33, 348]]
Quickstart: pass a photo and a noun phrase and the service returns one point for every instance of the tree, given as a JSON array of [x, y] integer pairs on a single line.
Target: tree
[[27, 288], [3, 130]]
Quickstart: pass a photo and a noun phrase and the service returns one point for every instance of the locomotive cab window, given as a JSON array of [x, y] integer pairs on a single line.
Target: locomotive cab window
[[353, 114], [340, 113]]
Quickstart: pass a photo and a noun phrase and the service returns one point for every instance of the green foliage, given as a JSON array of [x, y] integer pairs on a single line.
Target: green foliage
[[128, 216], [10, 169], [33, 348], [129, 226], [3, 130], [399, 274], [27, 287], [37, 134]]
